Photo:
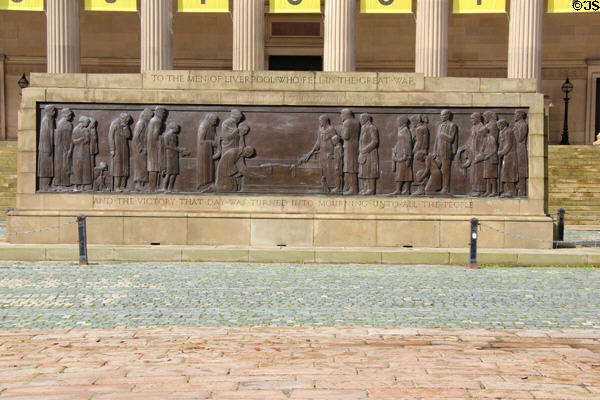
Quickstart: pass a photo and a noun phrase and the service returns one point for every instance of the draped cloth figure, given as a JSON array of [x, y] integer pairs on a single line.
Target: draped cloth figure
[[507, 151], [82, 154], [521, 131], [206, 145], [139, 150], [45, 167], [119, 134], [62, 146], [402, 157]]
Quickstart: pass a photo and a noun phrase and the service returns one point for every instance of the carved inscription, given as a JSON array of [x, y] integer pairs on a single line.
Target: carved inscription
[[358, 151]]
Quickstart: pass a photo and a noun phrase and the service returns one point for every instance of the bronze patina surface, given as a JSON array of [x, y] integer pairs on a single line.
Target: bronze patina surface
[[367, 151]]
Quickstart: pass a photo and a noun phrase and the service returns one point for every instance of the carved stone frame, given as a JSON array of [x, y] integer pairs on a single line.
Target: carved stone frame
[[590, 118]]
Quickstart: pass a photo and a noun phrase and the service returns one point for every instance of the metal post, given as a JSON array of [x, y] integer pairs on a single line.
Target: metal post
[[83, 258], [473, 238], [561, 225]]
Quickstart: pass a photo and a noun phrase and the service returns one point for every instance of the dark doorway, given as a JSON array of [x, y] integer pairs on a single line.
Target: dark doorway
[[295, 63], [597, 113]]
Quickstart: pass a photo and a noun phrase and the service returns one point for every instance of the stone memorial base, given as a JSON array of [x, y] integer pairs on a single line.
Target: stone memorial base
[[266, 212]]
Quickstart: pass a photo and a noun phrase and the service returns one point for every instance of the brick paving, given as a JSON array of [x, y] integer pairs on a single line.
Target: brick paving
[[300, 363]]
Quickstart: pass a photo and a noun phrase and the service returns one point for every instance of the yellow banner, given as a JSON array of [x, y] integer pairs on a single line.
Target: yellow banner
[[22, 5], [295, 6], [111, 5], [386, 6], [203, 6], [478, 6], [570, 6]]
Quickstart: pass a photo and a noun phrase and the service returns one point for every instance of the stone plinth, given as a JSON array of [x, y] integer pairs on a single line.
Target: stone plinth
[[320, 218]]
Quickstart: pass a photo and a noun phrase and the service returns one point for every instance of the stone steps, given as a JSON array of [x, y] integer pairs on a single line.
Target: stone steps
[[8, 176], [574, 182]]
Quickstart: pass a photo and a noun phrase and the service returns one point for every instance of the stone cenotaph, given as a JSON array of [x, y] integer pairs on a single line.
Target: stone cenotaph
[[306, 159]]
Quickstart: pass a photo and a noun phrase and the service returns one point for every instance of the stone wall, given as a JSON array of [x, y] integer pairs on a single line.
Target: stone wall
[[214, 219]]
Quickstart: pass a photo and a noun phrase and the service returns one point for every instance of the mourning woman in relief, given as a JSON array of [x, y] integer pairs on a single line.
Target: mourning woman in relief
[[206, 144], [140, 161], [402, 158], [325, 147], [475, 155], [368, 155], [45, 168], [521, 131], [62, 145], [155, 129], [421, 144], [119, 134], [81, 148], [230, 135], [507, 151]]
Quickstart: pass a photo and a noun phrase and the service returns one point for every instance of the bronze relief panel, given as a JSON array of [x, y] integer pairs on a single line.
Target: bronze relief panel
[[357, 151]]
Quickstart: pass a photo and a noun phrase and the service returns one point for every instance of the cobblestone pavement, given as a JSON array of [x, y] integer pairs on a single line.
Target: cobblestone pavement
[[300, 363], [65, 295]]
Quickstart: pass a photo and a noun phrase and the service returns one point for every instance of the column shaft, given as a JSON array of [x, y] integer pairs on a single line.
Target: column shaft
[[525, 40], [248, 35], [62, 36], [157, 35], [340, 36], [431, 47]]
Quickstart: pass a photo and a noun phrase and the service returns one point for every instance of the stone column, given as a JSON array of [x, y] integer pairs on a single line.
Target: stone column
[[157, 35], [339, 36], [62, 36], [431, 47], [248, 35], [525, 40]]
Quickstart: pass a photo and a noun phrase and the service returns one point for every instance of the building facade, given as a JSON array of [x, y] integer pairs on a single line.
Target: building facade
[[526, 42]]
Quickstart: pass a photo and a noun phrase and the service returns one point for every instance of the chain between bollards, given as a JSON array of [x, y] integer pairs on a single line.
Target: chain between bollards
[[83, 258], [473, 241]]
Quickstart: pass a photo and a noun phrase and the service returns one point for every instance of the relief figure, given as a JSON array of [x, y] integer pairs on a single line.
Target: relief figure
[[45, 167], [490, 119], [368, 156], [521, 131], [81, 149], [402, 158], [325, 148], [338, 161], [474, 152], [350, 132], [100, 177], [232, 168], [421, 145], [172, 152], [230, 134], [489, 156], [430, 173], [156, 128], [119, 134], [445, 147], [94, 149], [139, 150], [62, 145], [507, 151], [206, 145]]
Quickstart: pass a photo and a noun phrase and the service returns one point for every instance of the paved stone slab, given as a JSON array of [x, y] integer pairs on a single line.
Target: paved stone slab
[[299, 363], [53, 295]]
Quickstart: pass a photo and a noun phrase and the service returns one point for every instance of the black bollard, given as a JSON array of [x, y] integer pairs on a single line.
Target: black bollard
[[83, 258], [473, 238], [560, 234]]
